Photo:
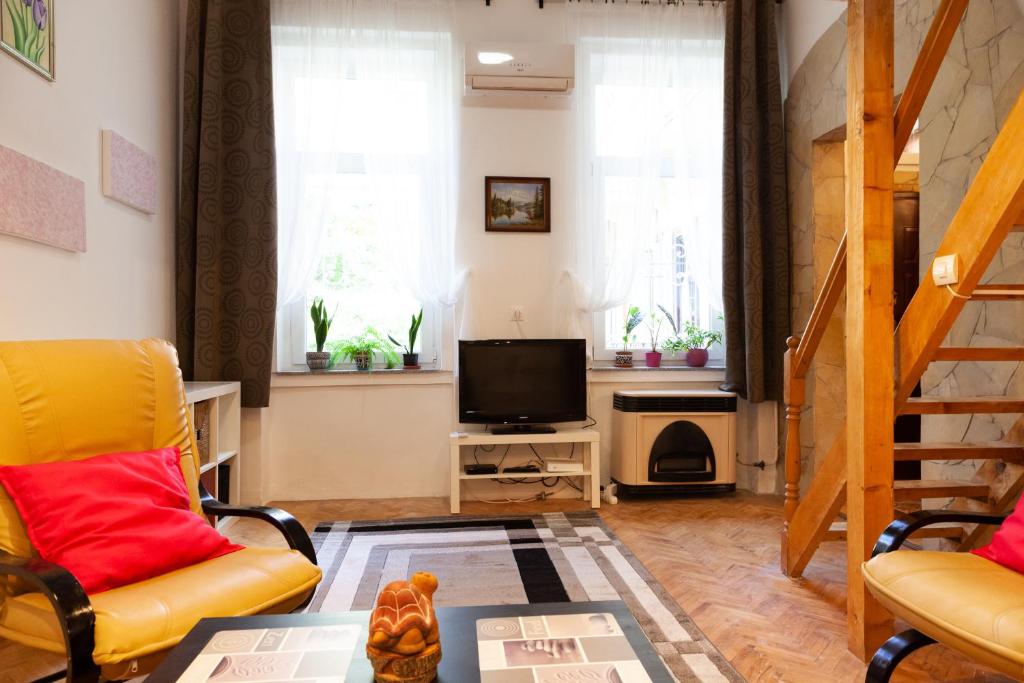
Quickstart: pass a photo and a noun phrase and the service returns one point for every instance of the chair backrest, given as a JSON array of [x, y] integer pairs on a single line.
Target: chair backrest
[[68, 400]]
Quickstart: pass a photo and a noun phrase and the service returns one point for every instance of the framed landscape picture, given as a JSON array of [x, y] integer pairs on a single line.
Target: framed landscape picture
[[517, 204], [26, 32]]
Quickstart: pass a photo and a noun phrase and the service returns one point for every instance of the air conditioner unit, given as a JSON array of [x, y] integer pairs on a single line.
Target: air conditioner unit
[[520, 68]]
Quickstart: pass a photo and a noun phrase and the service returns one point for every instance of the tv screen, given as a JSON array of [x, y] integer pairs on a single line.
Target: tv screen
[[522, 381]]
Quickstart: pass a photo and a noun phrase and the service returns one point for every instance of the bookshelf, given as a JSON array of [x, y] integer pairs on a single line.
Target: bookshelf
[[216, 411]]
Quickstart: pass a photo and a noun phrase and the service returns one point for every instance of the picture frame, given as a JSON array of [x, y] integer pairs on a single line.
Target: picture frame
[[516, 204], [27, 29]]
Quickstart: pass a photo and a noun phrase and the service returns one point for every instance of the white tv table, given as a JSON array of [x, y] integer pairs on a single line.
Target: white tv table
[[590, 438]]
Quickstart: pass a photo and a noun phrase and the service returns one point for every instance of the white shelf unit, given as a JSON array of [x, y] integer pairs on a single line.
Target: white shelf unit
[[220, 461], [590, 438]]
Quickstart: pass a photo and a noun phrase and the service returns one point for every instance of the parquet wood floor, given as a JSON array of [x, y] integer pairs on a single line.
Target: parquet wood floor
[[718, 557]]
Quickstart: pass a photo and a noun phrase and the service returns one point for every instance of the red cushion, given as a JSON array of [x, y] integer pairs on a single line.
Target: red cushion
[[114, 519], [1007, 546]]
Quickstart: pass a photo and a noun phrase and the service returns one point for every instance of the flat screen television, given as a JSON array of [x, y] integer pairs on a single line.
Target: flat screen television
[[525, 383]]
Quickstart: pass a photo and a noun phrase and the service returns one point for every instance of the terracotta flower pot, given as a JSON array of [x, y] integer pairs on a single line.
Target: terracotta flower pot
[[653, 359], [318, 360], [362, 361], [697, 358], [623, 359]]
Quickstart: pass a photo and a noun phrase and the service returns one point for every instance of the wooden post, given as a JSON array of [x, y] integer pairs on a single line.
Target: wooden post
[[794, 395], [869, 307]]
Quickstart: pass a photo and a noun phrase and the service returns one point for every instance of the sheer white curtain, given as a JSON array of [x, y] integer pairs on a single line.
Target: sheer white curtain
[[648, 122], [367, 86]]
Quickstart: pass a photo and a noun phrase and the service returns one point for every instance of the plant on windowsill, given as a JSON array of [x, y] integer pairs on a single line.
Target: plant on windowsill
[[319, 359], [673, 344], [364, 349], [624, 358], [410, 359], [653, 357], [697, 341]]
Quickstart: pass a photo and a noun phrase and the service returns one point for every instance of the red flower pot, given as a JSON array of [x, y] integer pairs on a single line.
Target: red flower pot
[[697, 358], [653, 359]]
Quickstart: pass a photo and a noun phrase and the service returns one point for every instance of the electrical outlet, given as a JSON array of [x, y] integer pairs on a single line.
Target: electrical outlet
[[946, 270], [517, 314]]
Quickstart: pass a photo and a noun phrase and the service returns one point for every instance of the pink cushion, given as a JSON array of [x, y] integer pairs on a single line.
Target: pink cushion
[[114, 519], [1007, 546]]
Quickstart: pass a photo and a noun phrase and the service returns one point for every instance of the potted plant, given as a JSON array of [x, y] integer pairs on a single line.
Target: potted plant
[[673, 344], [653, 357], [319, 359], [364, 349], [697, 341], [624, 358], [411, 359]]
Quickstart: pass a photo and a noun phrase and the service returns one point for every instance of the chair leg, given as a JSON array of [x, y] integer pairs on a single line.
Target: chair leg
[[892, 652]]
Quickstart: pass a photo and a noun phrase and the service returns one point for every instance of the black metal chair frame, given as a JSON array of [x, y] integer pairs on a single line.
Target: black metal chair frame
[[895, 650], [72, 604]]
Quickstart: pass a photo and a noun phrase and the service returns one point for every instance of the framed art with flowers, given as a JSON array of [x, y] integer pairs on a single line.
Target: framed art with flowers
[[26, 31]]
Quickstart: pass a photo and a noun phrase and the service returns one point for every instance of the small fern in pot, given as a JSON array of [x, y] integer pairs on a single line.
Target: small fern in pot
[[410, 359], [624, 358], [364, 349], [319, 359]]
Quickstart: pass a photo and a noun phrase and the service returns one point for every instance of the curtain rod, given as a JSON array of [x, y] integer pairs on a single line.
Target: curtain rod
[[540, 3]]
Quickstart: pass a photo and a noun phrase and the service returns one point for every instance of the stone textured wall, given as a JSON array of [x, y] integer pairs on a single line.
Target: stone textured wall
[[976, 86]]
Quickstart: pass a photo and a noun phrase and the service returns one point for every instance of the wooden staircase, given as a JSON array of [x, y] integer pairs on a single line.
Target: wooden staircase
[[885, 362]]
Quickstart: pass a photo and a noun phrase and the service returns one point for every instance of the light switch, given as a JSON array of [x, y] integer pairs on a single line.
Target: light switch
[[945, 270]]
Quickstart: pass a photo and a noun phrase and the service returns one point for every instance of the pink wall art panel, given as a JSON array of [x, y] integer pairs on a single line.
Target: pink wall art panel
[[40, 203], [129, 173]]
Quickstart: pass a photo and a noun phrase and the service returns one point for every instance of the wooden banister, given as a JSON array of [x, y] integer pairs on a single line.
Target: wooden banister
[[933, 51], [794, 396], [936, 44]]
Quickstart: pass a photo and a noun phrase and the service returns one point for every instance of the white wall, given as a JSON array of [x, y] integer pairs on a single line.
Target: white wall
[[358, 437], [803, 22], [116, 68]]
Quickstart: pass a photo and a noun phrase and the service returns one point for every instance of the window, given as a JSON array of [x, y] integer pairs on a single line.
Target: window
[[362, 120], [651, 109]]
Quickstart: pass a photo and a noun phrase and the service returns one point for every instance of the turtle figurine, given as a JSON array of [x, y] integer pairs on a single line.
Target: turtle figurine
[[404, 644]]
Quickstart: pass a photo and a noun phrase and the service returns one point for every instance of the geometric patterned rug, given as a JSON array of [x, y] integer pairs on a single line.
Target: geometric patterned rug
[[556, 557]]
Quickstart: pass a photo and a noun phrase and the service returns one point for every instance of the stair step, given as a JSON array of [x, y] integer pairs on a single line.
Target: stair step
[[982, 450], [997, 293], [980, 353], [917, 489], [837, 532], [961, 405]]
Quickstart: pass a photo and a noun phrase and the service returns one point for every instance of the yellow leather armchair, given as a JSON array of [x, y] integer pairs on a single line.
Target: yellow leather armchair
[[961, 600], [68, 400]]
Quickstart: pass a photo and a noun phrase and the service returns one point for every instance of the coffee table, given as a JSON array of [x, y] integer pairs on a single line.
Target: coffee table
[[460, 661]]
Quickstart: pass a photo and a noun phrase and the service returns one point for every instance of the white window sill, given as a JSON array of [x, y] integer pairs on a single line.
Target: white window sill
[[605, 372], [348, 377]]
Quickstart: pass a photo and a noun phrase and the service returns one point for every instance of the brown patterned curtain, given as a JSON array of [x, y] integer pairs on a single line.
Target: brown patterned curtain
[[755, 244], [227, 221]]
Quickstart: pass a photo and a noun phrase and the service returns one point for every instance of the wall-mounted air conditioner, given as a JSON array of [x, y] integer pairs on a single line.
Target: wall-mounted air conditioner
[[520, 67]]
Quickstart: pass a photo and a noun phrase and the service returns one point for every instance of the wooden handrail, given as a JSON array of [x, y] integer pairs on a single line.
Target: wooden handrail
[[936, 44], [801, 350], [835, 282], [929, 59]]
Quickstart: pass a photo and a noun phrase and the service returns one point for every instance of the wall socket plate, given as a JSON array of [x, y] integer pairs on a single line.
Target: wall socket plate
[[517, 314], [946, 270]]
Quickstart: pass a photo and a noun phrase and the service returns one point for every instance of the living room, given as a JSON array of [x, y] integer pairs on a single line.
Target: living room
[[389, 244]]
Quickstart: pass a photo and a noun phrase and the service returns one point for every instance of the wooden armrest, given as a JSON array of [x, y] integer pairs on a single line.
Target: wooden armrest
[[289, 527], [69, 600], [899, 530]]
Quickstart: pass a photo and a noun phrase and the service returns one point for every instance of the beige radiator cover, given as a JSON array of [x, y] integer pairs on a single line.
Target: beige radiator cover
[[633, 435]]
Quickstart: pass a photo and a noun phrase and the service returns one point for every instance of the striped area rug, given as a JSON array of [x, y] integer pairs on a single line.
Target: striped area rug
[[556, 557]]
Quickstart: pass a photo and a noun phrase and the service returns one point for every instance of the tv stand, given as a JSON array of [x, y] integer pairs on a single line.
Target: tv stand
[[591, 452], [523, 429]]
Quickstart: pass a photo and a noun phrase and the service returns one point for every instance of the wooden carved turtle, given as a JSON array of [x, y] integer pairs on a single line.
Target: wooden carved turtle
[[404, 643]]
